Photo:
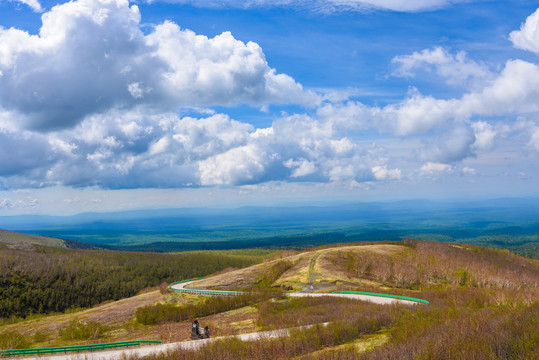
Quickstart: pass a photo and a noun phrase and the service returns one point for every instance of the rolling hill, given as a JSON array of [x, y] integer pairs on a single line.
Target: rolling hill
[[20, 240], [478, 298]]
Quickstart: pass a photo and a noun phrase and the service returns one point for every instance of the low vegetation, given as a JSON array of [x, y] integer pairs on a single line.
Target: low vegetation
[[25, 241], [468, 324], [294, 312], [77, 330], [427, 264], [483, 303], [167, 313], [491, 332], [265, 280], [13, 340]]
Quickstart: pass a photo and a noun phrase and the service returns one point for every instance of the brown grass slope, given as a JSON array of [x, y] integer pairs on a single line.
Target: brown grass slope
[[23, 241], [111, 314], [484, 304], [428, 264], [412, 265]]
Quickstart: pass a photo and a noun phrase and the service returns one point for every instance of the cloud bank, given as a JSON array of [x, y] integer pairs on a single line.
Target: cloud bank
[[456, 70], [92, 101], [91, 56]]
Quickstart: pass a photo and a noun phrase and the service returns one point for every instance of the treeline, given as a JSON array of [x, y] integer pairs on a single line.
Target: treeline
[[290, 242], [51, 280], [523, 245]]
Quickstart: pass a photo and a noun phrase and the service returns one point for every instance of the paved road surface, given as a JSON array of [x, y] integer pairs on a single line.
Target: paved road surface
[[371, 298], [148, 350], [195, 344]]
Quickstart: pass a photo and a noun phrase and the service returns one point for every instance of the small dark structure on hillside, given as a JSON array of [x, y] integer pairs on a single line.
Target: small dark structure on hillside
[[198, 332]]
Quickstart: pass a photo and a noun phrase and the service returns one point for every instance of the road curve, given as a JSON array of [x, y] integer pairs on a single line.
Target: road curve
[[377, 299], [154, 349], [193, 345]]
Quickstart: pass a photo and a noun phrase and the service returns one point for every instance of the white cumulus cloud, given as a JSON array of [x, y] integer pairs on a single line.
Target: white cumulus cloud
[[91, 92], [455, 69], [450, 146], [300, 167], [527, 38], [90, 56], [33, 4], [433, 169], [484, 135], [383, 173], [468, 171]]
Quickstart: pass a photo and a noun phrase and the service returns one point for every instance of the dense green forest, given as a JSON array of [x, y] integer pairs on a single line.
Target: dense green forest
[[501, 223], [46, 280], [526, 245]]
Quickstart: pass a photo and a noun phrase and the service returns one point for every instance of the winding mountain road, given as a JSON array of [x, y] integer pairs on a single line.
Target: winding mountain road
[[382, 299], [153, 349], [196, 344]]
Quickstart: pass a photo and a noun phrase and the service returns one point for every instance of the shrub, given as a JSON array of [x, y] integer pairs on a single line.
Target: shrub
[[428, 264], [40, 336], [164, 289], [306, 311], [464, 333], [80, 331], [12, 340], [166, 313]]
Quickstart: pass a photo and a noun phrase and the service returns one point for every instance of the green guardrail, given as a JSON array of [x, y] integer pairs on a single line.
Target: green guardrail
[[211, 292], [226, 293], [75, 348], [382, 295]]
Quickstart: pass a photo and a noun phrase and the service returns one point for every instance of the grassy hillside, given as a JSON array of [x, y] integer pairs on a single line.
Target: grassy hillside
[[483, 303], [19, 240], [42, 280], [410, 265], [16, 240], [426, 265]]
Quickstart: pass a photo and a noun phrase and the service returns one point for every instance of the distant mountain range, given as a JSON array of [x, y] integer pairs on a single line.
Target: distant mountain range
[[290, 224]]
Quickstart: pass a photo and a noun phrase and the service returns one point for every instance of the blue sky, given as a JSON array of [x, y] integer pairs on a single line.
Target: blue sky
[[114, 105]]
